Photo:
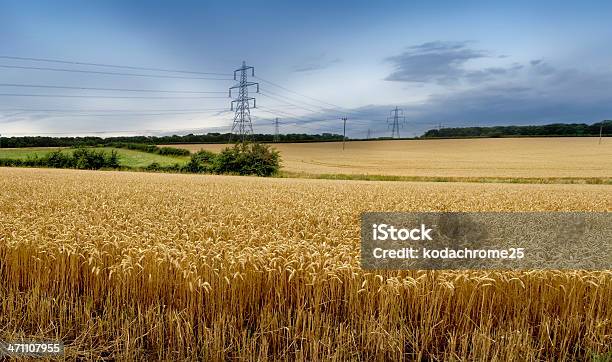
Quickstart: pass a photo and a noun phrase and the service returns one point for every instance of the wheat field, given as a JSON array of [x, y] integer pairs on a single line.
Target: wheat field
[[138, 266], [488, 157]]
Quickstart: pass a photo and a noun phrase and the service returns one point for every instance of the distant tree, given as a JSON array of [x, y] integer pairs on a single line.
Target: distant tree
[[555, 129]]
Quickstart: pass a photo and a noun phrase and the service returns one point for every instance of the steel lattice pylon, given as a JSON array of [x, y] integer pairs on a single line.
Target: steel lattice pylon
[[242, 126], [276, 131], [395, 121]]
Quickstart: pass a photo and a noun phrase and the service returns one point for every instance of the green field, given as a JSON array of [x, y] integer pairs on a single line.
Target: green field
[[127, 158]]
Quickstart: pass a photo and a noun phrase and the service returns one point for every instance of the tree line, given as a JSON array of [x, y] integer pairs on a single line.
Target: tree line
[[39, 141], [555, 129]]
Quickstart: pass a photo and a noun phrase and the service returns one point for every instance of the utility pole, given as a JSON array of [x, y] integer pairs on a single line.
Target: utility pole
[[369, 134], [242, 126], [276, 137], [393, 120], [600, 131], [344, 132]]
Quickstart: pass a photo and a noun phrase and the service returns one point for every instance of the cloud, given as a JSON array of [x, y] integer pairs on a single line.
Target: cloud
[[541, 67], [316, 64], [535, 62], [444, 62], [491, 73], [519, 103], [533, 93], [433, 62]]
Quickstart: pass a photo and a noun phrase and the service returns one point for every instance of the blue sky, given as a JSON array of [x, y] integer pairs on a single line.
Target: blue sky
[[456, 63]]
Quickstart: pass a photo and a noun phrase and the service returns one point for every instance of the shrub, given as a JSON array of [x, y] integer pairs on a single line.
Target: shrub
[[80, 158], [10, 162], [164, 151], [153, 167], [55, 159], [171, 151], [247, 159], [94, 160], [156, 167], [200, 161]]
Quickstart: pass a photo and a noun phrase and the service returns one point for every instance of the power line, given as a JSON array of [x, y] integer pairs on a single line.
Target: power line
[[297, 101], [291, 104], [111, 110], [274, 111], [312, 127], [101, 97], [299, 94], [107, 65], [336, 107], [107, 73], [303, 120], [297, 118], [116, 114], [103, 89], [123, 131], [291, 115], [310, 124], [304, 125], [330, 130]]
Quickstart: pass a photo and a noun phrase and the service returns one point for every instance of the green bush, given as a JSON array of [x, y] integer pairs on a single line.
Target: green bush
[[156, 167], [11, 162], [200, 161], [171, 151], [80, 158], [85, 159], [164, 151], [247, 159], [153, 167], [55, 159]]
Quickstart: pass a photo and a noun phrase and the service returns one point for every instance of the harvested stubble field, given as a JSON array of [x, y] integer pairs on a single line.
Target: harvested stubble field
[[161, 266], [488, 157]]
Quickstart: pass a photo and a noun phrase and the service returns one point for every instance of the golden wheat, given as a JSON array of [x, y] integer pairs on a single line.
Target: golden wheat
[[490, 157], [137, 266]]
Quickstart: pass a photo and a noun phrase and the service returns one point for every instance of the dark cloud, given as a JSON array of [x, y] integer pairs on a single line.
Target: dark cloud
[[517, 104], [535, 62], [532, 93], [433, 62], [537, 93], [444, 63], [541, 67]]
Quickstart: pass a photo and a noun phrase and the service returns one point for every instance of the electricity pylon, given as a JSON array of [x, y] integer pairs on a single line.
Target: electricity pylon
[[395, 120], [343, 132], [242, 126], [276, 136]]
